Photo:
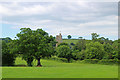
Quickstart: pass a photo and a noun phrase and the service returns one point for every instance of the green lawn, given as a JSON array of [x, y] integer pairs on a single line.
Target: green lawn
[[57, 69]]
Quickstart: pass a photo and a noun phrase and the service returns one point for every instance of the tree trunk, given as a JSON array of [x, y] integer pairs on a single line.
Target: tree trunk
[[39, 63], [68, 60]]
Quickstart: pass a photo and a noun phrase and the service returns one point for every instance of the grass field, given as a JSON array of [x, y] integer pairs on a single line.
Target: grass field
[[57, 69], [70, 41]]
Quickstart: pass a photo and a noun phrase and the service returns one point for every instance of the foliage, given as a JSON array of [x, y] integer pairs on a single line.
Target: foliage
[[63, 44], [94, 50], [7, 39], [8, 58], [59, 59], [103, 40], [93, 61], [72, 44], [64, 51], [69, 36], [108, 61], [94, 36], [108, 51], [80, 37], [80, 45], [35, 44], [116, 50], [77, 55]]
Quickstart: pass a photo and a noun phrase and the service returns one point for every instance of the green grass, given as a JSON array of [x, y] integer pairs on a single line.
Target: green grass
[[57, 69], [69, 41]]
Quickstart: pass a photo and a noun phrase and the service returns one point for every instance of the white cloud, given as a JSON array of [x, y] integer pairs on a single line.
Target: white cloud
[[75, 18]]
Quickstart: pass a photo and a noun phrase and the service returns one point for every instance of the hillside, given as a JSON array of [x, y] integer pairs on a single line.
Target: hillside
[[70, 41]]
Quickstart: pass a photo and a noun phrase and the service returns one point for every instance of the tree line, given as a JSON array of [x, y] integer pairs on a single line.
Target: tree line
[[95, 49], [37, 44]]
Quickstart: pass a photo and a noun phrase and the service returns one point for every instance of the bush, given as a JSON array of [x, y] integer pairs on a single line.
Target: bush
[[109, 61], [59, 59], [93, 61]]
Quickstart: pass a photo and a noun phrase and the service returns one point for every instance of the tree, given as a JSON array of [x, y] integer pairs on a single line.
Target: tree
[[80, 45], [64, 51], [80, 37], [103, 40], [94, 50], [7, 39], [8, 58], [35, 44], [94, 36], [69, 36], [25, 44], [116, 49], [0, 52], [108, 51], [78, 55]]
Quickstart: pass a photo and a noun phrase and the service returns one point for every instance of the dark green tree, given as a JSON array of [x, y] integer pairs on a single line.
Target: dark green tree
[[116, 49], [69, 36], [8, 58], [94, 50], [35, 44], [80, 37], [64, 51], [25, 44], [108, 51]]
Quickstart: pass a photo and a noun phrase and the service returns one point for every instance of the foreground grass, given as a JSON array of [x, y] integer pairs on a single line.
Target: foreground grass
[[55, 69]]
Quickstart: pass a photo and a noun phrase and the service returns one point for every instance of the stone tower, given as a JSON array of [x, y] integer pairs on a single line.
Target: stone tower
[[58, 39]]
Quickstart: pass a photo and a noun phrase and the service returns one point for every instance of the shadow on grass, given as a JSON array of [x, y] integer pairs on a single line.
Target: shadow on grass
[[21, 65]]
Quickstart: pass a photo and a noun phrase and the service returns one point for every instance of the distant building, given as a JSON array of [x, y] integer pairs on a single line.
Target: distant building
[[58, 39]]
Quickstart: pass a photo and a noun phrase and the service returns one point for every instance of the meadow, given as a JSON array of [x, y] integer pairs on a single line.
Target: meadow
[[59, 69]]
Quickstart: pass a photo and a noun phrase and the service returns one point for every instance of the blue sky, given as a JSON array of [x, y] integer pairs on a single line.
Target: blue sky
[[74, 18]]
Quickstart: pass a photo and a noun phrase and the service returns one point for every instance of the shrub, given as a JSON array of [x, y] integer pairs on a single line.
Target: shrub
[[59, 59], [93, 61], [109, 61]]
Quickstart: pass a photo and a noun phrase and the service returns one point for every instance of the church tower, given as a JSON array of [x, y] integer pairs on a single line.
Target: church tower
[[58, 39]]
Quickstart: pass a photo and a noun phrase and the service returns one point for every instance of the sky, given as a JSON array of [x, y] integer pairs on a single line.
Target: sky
[[70, 18]]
